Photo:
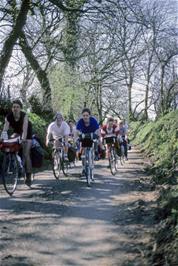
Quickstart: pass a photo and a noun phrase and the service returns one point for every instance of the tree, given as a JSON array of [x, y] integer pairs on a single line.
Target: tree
[[13, 37]]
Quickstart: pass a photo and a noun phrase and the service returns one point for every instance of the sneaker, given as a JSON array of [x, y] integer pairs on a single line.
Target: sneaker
[[28, 180]]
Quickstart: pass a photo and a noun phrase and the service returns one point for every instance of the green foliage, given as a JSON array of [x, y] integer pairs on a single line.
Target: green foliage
[[39, 125], [36, 105], [67, 92], [159, 140], [5, 107]]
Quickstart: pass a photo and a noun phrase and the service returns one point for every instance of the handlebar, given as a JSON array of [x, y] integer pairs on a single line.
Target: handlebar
[[89, 136]]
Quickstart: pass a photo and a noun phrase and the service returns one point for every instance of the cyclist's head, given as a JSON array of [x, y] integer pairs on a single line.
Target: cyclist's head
[[71, 123], [16, 106], [121, 123], [58, 117], [116, 121], [110, 121], [86, 113]]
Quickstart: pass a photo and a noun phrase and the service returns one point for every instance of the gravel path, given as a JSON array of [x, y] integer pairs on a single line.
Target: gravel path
[[66, 223]]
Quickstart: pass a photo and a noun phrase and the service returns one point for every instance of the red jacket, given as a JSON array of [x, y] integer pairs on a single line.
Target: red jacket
[[105, 131]]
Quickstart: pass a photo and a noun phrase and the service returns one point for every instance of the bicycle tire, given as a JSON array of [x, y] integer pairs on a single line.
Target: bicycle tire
[[10, 172], [65, 167], [87, 167], [56, 165], [88, 175]]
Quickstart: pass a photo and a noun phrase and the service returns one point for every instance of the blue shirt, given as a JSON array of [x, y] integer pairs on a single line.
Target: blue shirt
[[93, 126]]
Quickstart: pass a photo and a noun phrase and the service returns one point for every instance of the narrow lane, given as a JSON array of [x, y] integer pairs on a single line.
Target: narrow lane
[[66, 223]]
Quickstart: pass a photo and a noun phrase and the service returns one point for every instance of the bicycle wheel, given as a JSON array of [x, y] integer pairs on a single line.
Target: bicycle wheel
[[92, 166], [112, 162], [56, 164], [88, 167], [88, 175], [10, 172], [65, 167], [117, 161]]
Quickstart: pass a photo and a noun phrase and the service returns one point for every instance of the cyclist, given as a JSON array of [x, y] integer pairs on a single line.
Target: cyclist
[[110, 130], [87, 124], [57, 130], [123, 138], [72, 127], [18, 121]]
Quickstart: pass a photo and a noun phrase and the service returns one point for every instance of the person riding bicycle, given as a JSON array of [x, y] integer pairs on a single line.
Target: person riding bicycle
[[110, 129], [123, 138], [18, 121], [72, 127], [56, 131], [87, 124]]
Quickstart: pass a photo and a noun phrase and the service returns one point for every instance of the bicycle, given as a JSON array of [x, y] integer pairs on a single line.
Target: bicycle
[[88, 155], [122, 156], [112, 155], [13, 166], [59, 164]]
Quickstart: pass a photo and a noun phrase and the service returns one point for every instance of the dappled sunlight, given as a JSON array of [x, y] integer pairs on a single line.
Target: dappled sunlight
[[77, 225]]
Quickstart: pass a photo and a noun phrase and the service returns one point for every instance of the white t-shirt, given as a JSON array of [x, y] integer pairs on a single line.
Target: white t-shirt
[[58, 132]]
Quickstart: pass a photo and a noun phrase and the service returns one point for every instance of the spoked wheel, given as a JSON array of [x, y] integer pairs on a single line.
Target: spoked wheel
[[112, 163], [56, 165], [65, 167], [10, 172]]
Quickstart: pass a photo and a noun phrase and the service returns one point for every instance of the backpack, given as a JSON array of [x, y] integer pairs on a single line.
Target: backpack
[[37, 153]]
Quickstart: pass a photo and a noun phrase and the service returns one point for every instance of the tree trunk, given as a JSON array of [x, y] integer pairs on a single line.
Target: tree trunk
[[162, 89], [146, 101], [12, 38], [71, 31], [40, 73]]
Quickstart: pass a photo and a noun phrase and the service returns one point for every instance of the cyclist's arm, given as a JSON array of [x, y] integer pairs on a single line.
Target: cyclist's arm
[[77, 134], [25, 128], [6, 125], [49, 136], [66, 133]]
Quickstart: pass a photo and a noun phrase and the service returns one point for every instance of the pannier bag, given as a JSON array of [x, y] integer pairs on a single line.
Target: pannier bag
[[37, 153], [10, 145]]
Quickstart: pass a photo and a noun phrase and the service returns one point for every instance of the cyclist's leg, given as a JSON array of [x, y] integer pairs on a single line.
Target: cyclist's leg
[[96, 150], [125, 149]]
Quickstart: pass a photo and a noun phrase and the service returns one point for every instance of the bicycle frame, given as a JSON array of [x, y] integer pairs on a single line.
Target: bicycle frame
[[88, 159], [112, 153]]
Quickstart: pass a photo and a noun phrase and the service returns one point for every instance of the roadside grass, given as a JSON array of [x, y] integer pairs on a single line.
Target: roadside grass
[[159, 142]]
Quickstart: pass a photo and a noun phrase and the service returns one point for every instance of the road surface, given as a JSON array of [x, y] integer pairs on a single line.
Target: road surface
[[64, 222]]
